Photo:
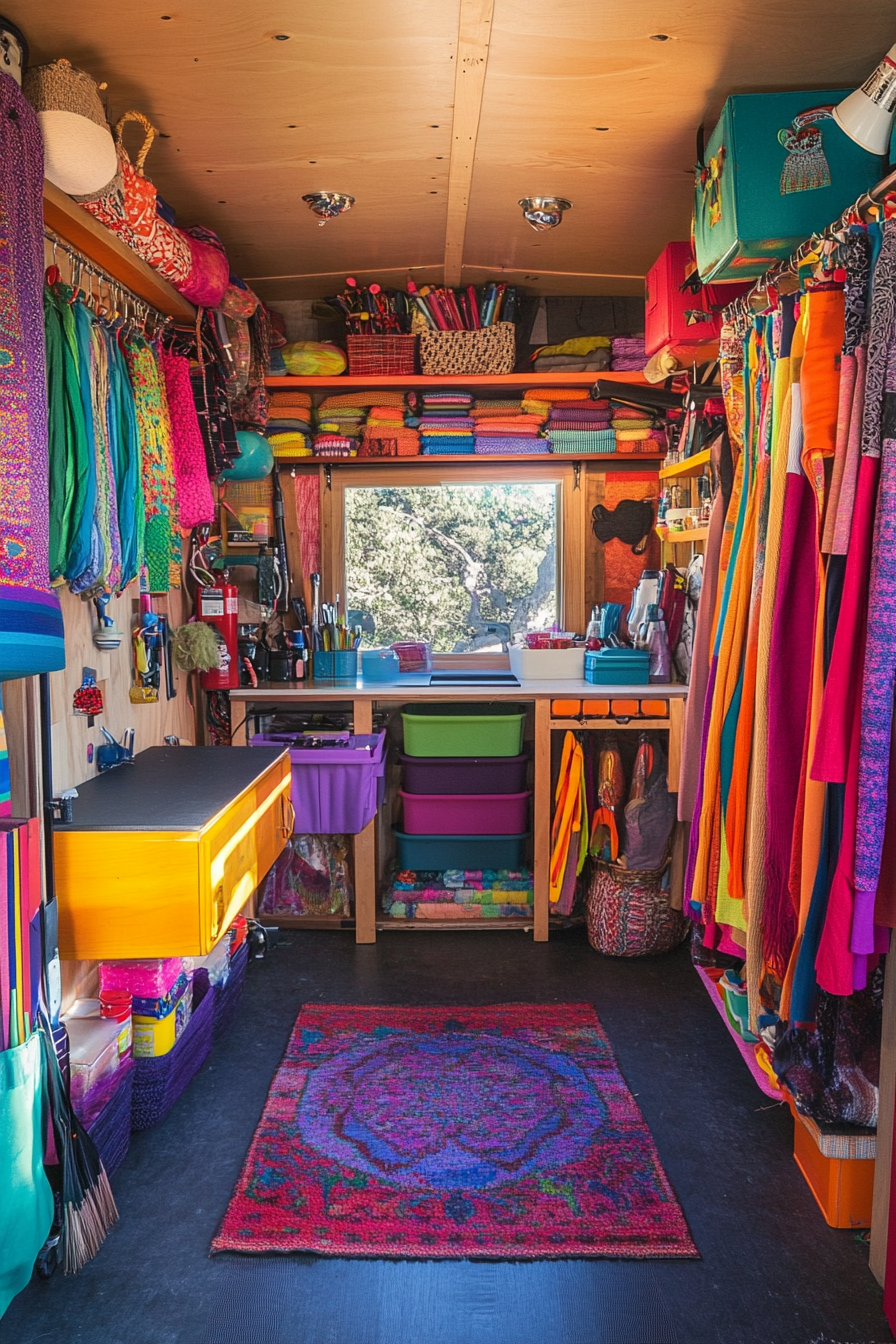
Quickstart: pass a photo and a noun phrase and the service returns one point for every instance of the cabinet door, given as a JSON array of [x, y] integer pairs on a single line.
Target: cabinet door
[[239, 846]]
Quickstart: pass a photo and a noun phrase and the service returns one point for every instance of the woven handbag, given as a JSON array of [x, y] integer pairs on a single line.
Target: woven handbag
[[628, 912], [381, 355], [489, 350]]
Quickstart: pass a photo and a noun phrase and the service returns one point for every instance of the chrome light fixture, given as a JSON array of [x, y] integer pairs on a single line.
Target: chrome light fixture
[[328, 204], [543, 212]]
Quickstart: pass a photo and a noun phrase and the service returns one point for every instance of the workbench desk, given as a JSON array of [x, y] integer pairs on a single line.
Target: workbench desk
[[616, 707]]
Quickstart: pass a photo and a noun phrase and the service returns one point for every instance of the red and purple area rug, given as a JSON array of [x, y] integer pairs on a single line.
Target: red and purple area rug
[[504, 1132]]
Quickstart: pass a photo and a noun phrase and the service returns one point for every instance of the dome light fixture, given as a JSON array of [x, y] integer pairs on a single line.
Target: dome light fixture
[[328, 204], [543, 212]]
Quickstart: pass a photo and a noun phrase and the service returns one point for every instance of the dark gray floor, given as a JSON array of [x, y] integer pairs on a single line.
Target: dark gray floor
[[772, 1271]]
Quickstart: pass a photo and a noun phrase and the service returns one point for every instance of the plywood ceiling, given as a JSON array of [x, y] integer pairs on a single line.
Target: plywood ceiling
[[438, 115]]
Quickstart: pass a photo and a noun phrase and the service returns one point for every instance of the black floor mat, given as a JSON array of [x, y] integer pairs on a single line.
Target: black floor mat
[[304, 1300]]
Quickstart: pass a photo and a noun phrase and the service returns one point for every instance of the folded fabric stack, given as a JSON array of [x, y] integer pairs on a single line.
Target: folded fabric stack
[[344, 422], [342, 417], [629, 355], [288, 430], [457, 894], [541, 400], [387, 433], [637, 431], [581, 427], [446, 425], [581, 354], [504, 427]]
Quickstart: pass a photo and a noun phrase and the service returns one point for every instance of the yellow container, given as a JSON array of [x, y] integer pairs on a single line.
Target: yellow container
[[155, 1036]]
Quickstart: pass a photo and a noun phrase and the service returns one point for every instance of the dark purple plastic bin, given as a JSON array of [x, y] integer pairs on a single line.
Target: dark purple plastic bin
[[464, 774], [335, 790], [465, 813], [158, 1082]]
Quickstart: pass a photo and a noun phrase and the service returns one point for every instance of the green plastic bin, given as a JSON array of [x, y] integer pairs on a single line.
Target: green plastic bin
[[474, 729]]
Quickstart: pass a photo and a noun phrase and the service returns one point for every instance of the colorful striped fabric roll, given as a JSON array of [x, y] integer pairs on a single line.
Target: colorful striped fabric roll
[[583, 441], [495, 444]]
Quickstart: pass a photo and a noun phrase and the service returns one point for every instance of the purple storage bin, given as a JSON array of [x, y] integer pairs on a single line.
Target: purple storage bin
[[228, 995], [465, 813], [159, 1082], [111, 1128], [335, 790], [464, 774]]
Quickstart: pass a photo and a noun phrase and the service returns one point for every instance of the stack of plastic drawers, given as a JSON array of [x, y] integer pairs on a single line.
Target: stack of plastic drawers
[[464, 795]]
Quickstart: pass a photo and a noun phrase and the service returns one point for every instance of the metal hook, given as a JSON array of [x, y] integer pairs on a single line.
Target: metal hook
[[576, 473]]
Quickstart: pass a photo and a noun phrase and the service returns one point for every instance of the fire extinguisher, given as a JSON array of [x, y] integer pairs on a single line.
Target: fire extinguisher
[[218, 607]]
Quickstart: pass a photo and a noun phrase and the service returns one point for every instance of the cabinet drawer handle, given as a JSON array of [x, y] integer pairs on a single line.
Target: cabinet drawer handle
[[287, 816], [218, 910]]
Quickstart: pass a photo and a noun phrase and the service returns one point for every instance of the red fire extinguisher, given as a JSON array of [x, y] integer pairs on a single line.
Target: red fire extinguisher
[[218, 607]]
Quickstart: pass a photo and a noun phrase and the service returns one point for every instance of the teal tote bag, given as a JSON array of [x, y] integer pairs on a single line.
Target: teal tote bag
[[26, 1200]]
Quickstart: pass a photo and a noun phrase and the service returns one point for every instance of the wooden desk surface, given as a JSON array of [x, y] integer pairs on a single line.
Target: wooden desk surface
[[271, 692]]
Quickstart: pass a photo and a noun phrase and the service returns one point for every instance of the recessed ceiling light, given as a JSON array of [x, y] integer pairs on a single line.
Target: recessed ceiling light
[[659, 37], [312, 160], [433, 125], [165, 18], [433, 193], [281, 37], [544, 212], [222, 202], [601, 128]]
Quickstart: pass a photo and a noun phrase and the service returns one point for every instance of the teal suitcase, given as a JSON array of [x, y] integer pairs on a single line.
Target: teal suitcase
[[776, 169]]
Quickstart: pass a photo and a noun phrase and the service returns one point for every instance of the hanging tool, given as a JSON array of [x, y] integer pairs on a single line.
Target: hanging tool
[[282, 600], [107, 634], [165, 633]]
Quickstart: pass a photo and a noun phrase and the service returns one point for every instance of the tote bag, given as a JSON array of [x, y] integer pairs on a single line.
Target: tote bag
[[26, 1200]]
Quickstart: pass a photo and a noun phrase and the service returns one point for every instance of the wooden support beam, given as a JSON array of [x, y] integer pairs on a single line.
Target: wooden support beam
[[473, 37]]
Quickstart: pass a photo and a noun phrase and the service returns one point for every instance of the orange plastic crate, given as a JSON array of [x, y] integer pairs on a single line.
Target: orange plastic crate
[[565, 709], [596, 709], [843, 1186], [655, 709]]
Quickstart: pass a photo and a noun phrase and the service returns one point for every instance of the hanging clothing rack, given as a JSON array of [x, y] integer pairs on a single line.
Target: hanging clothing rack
[[121, 293], [741, 309]]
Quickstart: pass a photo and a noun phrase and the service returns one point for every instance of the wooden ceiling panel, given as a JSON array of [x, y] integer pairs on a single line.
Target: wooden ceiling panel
[[360, 98]]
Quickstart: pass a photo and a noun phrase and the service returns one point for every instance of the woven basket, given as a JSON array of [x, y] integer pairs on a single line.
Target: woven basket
[[628, 912], [489, 350], [381, 355]]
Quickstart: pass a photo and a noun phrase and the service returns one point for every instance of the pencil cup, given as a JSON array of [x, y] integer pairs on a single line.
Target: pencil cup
[[335, 669]]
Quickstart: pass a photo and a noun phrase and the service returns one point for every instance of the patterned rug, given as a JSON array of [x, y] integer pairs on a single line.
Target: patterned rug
[[503, 1132]]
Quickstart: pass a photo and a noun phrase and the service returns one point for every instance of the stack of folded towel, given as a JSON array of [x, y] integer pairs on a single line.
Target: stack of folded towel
[[446, 425], [288, 430]]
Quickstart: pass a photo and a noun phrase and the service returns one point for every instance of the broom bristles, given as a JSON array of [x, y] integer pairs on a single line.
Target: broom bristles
[[87, 1225]]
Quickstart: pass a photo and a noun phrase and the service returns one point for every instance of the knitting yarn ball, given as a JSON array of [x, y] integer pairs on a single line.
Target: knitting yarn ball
[[312, 359], [255, 460]]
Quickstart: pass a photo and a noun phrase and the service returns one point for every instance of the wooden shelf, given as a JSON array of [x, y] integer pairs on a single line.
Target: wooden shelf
[[681, 538], [91, 238], [466, 381], [466, 458], [691, 466]]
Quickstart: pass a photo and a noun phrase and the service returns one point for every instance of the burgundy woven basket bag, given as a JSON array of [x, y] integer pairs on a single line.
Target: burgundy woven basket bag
[[628, 912], [381, 355]]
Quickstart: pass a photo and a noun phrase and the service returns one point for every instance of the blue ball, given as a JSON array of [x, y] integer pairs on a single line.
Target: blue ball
[[255, 460]]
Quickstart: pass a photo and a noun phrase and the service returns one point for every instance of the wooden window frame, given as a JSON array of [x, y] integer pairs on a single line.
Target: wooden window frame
[[571, 520]]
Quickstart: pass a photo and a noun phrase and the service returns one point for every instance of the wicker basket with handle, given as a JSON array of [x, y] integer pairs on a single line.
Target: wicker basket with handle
[[376, 356], [628, 912]]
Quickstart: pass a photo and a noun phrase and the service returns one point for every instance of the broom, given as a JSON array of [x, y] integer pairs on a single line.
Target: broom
[[88, 1205]]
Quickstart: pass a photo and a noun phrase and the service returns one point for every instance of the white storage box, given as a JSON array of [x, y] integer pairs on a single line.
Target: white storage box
[[548, 664]]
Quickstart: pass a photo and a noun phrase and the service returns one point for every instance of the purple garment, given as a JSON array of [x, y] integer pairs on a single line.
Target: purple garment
[[879, 437], [697, 688], [31, 634]]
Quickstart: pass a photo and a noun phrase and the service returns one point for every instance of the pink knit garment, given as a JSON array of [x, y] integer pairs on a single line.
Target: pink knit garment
[[194, 492]]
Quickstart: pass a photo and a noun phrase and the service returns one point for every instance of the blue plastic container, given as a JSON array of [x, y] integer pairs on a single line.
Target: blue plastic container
[[339, 668], [617, 667], [439, 852], [380, 665]]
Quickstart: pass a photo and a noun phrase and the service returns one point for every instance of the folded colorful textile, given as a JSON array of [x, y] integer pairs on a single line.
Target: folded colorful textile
[[363, 399], [497, 444], [278, 398], [583, 441], [576, 345]]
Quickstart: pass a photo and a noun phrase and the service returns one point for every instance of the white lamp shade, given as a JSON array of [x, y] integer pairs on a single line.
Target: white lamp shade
[[79, 155], [866, 116]]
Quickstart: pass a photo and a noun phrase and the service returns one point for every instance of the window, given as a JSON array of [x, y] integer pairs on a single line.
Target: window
[[443, 562]]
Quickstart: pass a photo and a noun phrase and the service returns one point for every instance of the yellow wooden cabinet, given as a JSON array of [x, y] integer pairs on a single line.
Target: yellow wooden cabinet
[[161, 854]]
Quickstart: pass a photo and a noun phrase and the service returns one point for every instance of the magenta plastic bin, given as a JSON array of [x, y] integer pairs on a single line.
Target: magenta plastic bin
[[335, 790], [465, 813]]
